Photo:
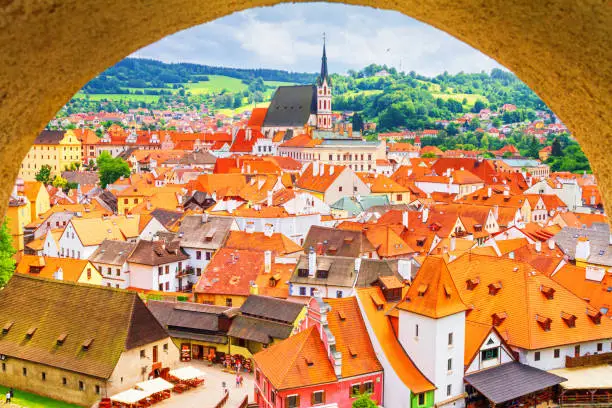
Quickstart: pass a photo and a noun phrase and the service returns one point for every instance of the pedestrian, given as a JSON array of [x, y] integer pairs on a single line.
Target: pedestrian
[[241, 379], [8, 397], [238, 366], [237, 381]]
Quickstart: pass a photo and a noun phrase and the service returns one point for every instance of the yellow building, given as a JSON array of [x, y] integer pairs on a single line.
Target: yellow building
[[54, 148], [66, 269], [38, 196], [18, 216]]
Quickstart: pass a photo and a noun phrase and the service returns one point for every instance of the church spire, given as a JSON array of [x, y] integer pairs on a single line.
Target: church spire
[[324, 74]]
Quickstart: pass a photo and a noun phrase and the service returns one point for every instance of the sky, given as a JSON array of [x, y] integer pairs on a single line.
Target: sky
[[290, 36]]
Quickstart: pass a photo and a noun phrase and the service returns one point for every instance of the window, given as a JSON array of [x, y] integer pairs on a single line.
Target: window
[[368, 387], [161, 286], [536, 356], [199, 271], [355, 390], [449, 390], [3, 366], [577, 351], [421, 398], [340, 188], [142, 354], [318, 397], [302, 291], [312, 291], [256, 376], [228, 302], [64, 381], [198, 255], [81, 386], [273, 397], [449, 364], [43, 376], [599, 346], [338, 294], [293, 401], [416, 330], [160, 271], [125, 201], [208, 255], [24, 371], [450, 339], [489, 354], [167, 269], [167, 286], [97, 389], [165, 347], [557, 353]]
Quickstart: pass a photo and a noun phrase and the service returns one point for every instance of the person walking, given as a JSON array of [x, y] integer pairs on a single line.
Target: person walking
[[8, 397]]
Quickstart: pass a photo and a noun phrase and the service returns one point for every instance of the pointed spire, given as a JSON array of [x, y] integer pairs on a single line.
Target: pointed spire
[[324, 73]]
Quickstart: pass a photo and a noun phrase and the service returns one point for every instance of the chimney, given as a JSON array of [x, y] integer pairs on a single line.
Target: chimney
[[425, 214], [331, 170], [204, 218], [511, 254], [404, 268], [250, 227], [315, 168], [59, 274], [268, 230], [583, 249], [538, 246], [453, 244], [267, 261], [496, 212], [506, 193], [357, 265], [489, 192], [248, 134], [269, 200], [551, 243], [253, 288], [312, 262], [405, 219]]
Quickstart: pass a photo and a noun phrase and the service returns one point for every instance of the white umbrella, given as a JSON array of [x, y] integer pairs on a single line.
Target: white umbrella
[[154, 386], [187, 373], [130, 396]]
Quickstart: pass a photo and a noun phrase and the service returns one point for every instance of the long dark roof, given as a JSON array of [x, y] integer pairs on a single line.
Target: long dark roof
[[49, 137], [338, 242], [116, 320], [510, 381], [112, 252], [291, 106], [188, 316], [260, 330], [271, 308], [204, 233]]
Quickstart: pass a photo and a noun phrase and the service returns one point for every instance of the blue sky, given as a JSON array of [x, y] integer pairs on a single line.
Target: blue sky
[[289, 36]]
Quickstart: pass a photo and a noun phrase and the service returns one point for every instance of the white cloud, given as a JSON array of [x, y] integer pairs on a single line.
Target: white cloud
[[289, 36]]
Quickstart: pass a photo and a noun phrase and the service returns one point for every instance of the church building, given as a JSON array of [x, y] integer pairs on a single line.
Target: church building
[[296, 108]]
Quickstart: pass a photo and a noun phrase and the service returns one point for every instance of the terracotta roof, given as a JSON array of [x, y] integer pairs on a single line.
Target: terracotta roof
[[55, 308], [258, 241], [395, 354], [46, 267], [257, 117], [511, 280], [230, 272], [433, 292], [299, 361]]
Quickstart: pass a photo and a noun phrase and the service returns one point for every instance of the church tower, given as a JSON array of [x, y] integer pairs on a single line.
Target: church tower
[[324, 95]]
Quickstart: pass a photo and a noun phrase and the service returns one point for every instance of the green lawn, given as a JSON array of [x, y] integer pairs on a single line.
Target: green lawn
[[216, 84], [28, 400], [471, 98]]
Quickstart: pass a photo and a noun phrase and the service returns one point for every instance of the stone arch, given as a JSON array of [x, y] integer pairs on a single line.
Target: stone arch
[[49, 49]]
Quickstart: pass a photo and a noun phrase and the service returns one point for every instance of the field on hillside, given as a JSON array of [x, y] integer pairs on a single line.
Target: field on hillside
[[471, 98]]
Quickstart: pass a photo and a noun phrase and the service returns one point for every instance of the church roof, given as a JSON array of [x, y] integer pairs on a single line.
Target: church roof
[[291, 106], [324, 73]]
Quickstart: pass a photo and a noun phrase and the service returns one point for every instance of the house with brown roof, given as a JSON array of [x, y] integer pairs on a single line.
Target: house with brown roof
[[110, 258], [158, 265], [57, 340], [331, 361]]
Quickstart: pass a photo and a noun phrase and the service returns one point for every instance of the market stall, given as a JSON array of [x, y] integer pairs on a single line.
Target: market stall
[[157, 388], [186, 377], [130, 399]]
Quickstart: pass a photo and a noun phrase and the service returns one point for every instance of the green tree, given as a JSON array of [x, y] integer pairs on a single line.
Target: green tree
[[7, 262], [496, 122], [556, 148], [111, 168], [357, 121], [44, 174], [364, 401], [59, 182], [428, 156], [478, 106]]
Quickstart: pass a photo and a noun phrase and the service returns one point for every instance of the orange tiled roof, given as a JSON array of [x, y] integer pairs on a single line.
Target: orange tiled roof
[[401, 363], [512, 280], [433, 292], [72, 268], [322, 181], [230, 271], [299, 361], [257, 241]]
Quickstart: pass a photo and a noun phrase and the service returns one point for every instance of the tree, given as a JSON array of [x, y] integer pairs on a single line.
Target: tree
[[364, 401], [44, 174], [478, 106], [357, 122], [7, 262], [111, 168], [556, 148], [496, 122], [428, 156], [59, 182]]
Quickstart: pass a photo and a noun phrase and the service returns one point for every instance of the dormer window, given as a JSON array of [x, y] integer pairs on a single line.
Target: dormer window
[[352, 351], [494, 288], [87, 344], [447, 291], [422, 289], [548, 292], [594, 315], [498, 318], [472, 283], [31, 332], [7, 327], [544, 322], [61, 339], [303, 273], [378, 302], [322, 274], [309, 362], [569, 319], [341, 315]]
